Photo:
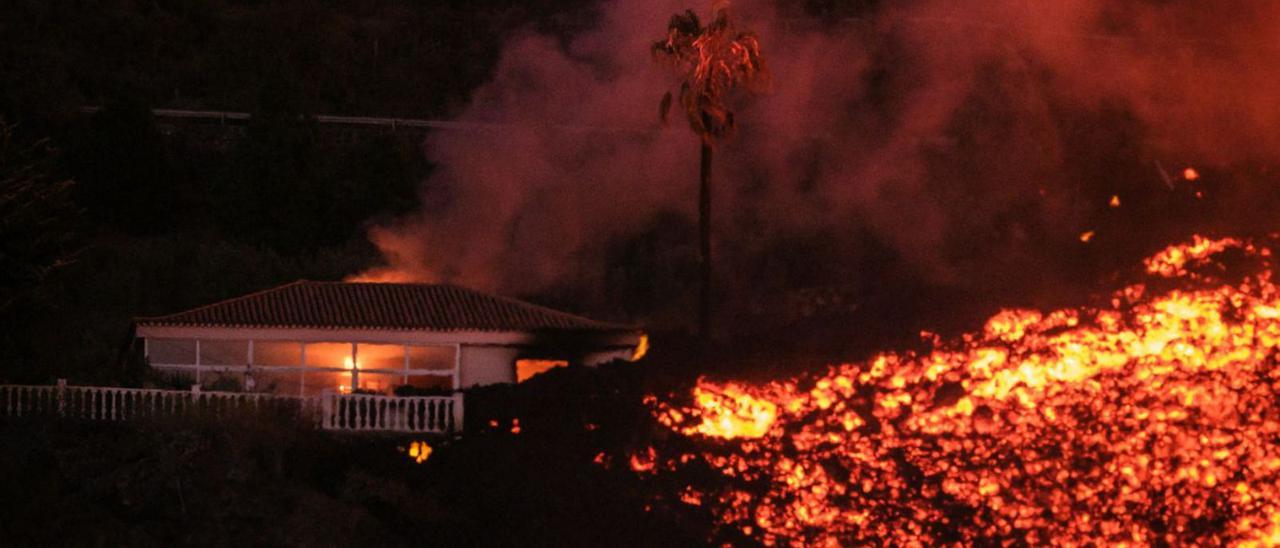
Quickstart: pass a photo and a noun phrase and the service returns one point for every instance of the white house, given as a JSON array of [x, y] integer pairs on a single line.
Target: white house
[[309, 337]]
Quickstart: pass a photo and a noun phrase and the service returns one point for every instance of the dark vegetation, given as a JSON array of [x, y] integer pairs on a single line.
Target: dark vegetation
[[245, 480]]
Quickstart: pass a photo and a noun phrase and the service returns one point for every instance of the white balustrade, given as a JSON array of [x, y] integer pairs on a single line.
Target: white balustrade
[[342, 412], [365, 412]]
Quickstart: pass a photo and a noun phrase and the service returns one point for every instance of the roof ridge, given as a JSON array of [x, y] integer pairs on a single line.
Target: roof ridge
[[246, 296]]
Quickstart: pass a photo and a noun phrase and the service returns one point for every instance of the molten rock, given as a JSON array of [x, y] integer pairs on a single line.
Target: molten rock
[[1156, 420]]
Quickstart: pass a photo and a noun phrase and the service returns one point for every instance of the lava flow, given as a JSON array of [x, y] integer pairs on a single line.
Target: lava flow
[[1153, 420]]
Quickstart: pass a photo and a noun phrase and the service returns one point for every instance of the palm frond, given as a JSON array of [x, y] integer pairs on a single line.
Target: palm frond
[[713, 61]]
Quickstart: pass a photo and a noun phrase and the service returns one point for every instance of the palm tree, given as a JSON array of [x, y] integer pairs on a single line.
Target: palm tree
[[712, 62]]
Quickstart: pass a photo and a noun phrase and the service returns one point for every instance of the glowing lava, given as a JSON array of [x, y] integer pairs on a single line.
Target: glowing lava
[[1155, 420]]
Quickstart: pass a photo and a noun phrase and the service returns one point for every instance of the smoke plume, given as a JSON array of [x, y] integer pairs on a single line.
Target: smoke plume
[[963, 146]]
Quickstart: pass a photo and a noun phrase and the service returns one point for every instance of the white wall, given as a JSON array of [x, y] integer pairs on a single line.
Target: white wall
[[598, 358], [483, 365]]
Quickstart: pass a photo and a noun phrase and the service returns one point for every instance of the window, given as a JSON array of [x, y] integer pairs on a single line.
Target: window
[[316, 381], [432, 357], [286, 382], [216, 352], [332, 355], [380, 356], [292, 367], [528, 368], [430, 382], [379, 381], [277, 354], [172, 351]]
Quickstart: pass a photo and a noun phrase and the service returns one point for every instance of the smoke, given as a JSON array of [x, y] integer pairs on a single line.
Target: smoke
[[962, 146]]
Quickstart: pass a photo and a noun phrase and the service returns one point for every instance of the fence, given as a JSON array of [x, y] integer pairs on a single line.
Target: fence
[[341, 412], [360, 412]]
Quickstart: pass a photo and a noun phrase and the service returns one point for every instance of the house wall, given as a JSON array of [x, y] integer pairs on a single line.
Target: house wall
[[598, 358], [483, 365]]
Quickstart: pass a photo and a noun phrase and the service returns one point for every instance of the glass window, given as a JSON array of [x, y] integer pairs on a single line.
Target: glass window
[[277, 353], [430, 382], [431, 357], [215, 352], [284, 383], [334, 355], [171, 351], [317, 382], [380, 356], [379, 382], [528, 368], [222, 381]]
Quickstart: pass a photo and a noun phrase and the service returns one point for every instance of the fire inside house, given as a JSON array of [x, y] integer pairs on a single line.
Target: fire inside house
[[1153, 419], [309, 337]]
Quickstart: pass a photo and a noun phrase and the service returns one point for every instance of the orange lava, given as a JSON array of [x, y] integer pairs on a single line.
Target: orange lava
[[1154, 420]]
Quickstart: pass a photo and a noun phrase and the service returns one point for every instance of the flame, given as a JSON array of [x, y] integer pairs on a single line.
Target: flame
[[1153, 421], [419, 451], [386, 275], [642, 348], [1086, 236], [1190, 174]]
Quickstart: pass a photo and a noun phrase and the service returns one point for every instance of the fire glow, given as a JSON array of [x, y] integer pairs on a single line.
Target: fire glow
[[1154, 420]]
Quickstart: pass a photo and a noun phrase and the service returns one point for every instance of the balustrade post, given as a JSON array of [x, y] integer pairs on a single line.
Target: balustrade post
[[457, 411], [62, 395], [326, 411]]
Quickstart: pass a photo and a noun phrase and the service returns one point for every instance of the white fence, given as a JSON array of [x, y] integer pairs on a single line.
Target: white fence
[[360, 412], [342, 412]]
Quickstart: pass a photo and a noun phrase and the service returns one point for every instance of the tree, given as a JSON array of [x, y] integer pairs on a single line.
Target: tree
[[38, 219], [124, 178], [712, 62]]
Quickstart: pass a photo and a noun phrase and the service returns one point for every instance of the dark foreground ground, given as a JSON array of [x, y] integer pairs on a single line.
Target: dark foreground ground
[[271, 480]]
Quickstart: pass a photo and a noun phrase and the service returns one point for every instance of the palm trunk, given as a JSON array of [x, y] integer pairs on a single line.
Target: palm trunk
[[704, 235]]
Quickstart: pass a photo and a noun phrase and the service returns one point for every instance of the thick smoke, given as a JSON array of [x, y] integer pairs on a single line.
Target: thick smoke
[[923, 144]]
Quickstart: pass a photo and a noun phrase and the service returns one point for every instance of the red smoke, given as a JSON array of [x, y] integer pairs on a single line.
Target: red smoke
[[974, 140]]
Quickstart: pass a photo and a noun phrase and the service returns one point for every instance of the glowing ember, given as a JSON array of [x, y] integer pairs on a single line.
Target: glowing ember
[[419, 451], [727, 412], [1086, 236], [1171, 261], [1190, 174], [1115, 201], [1153, 421]]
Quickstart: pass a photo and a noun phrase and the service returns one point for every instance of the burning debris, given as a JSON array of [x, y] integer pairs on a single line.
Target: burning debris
[[1153, 421], [420, 451]]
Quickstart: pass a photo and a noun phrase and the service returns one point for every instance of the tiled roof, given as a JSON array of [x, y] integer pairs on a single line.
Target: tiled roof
[[341, 305]]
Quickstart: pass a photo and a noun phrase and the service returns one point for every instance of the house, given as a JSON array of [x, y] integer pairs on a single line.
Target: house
[[309, 338]]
